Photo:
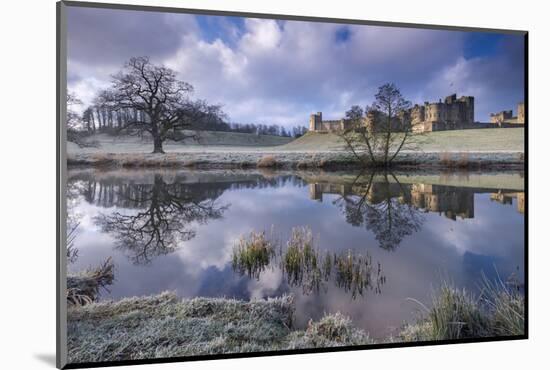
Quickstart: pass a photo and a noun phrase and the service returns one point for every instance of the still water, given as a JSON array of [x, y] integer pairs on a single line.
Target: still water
[[405, 234]]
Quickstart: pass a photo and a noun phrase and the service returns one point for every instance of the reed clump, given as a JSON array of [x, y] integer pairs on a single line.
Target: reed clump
[[457, 314], [253, 253], [84, 288]]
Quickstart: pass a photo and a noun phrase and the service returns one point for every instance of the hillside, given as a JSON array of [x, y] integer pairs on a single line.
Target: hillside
[[130, 144], [494, 139]]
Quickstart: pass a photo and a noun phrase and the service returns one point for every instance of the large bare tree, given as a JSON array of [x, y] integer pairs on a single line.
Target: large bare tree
[[377, 135], [160, 99]]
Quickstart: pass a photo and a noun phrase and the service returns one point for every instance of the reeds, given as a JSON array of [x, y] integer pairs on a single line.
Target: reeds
[[84, 288], [253, 253], [457, 314]]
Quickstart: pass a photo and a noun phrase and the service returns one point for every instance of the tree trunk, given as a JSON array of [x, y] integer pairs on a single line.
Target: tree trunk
[[157, 144]]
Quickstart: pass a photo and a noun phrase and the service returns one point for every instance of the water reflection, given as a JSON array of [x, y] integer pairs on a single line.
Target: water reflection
[[438, 226], [157, 217], [305, 266], [163, 219], [393, 211], [505, 197], [383, 207]]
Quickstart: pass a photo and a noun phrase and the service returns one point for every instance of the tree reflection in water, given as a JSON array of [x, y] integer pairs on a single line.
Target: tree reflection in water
[[383, 207], [163, 220], [305, 266]]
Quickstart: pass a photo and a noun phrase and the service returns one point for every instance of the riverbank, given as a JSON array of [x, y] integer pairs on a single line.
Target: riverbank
[[461, 149], [164, 326], [327, 160], [506, 180]]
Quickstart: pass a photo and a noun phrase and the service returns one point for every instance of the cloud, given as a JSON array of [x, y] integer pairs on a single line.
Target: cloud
[[495, 81], [268, 71], [107, 36]]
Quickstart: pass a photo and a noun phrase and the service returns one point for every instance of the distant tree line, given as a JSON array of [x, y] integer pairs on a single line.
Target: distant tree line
[[100, 117], [262, 129]]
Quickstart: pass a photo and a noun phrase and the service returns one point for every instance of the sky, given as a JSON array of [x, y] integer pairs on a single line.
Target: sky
[[279, 72]]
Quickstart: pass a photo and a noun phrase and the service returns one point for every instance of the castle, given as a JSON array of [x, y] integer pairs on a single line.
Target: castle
[[316, 123], [451, 114], [505, 118]]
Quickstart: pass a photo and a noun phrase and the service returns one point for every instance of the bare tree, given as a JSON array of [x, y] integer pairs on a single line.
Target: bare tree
[[160, 100], [376, 136]]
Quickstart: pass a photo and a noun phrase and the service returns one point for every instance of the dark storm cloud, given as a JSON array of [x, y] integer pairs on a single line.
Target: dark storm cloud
[[106, 36]]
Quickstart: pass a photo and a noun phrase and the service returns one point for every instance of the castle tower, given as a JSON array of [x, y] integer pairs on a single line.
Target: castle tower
[[469, 100], [315, 121]]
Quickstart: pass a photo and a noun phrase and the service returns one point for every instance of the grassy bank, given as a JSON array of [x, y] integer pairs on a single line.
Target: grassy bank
[[462, 149], [326, 160], [165, 326], [493, 139]]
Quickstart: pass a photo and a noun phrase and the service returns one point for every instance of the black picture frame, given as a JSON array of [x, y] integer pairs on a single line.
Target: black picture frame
[[61, 177]]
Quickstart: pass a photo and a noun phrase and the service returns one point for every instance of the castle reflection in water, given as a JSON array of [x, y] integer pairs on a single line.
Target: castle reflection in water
[[450, 201]]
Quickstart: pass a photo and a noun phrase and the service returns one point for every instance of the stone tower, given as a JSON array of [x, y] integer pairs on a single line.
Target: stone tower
[[315, 121]]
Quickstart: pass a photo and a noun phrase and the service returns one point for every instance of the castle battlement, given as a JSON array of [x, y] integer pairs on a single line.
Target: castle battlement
[[450, 114], [506, 117], [316, 123]]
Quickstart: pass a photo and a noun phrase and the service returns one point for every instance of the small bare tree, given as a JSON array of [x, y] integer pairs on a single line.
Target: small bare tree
[[386, 128], [161, 99]]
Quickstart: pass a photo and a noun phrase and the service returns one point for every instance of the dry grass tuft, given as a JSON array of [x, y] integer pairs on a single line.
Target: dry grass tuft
[[461, 161], [83, 289], [268, 161], [457, 314]]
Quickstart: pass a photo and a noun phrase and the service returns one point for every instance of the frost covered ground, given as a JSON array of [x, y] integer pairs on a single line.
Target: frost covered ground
[[164, 326], [465, 148]]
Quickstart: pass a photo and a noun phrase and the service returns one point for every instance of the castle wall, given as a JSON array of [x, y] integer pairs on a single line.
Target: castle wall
[[451, 114], [521, 113], [500, 117]]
